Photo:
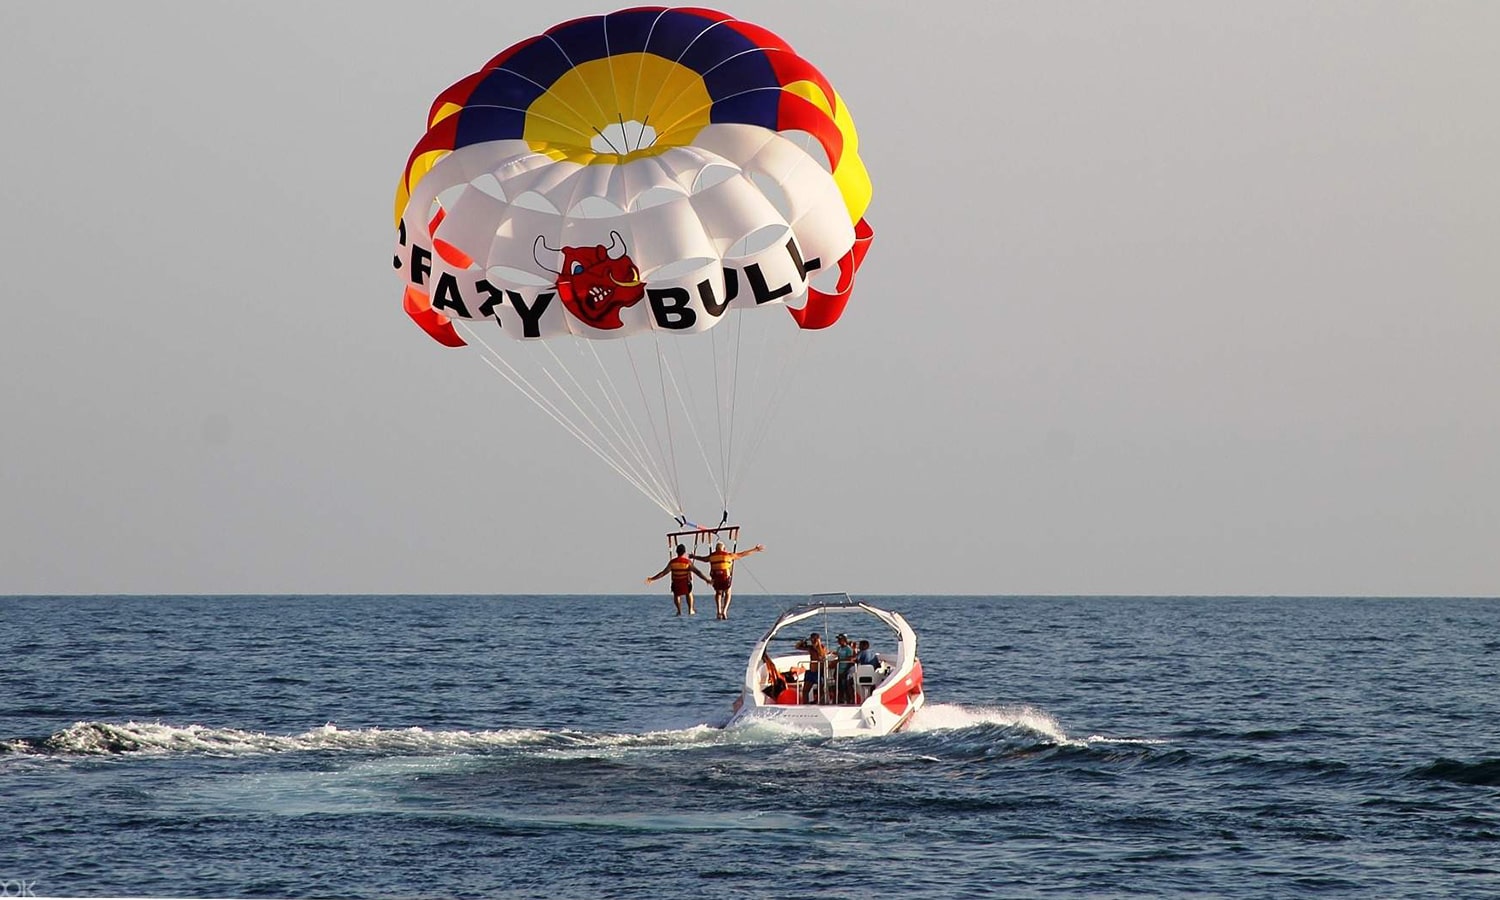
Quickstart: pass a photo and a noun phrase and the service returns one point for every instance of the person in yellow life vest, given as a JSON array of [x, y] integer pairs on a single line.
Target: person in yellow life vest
[[721, 570], [682, 570]]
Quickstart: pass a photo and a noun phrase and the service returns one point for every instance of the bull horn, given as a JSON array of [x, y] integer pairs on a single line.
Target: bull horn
[[543, 242], [614, 238]]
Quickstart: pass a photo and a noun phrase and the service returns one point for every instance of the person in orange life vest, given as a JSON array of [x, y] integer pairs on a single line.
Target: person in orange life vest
[[682, 569], [721, 570]]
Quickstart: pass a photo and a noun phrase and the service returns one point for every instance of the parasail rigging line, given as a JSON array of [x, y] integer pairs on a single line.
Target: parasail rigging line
[[558, 417], [644, 469], [781, 381], [687, 415], [761, 420], [621, 412], [719, 407], [619, 458], [690, 415], [739, 333], [528, 390], [751, 573], [666, 413], [650, 418]]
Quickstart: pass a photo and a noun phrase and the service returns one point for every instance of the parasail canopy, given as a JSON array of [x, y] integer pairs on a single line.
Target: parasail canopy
[[647, 176]]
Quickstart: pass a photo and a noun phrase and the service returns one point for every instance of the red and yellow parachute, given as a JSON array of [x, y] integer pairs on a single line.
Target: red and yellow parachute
[[647, 172]]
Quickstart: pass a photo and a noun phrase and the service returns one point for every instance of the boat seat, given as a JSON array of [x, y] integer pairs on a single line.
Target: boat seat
[[864, 683]]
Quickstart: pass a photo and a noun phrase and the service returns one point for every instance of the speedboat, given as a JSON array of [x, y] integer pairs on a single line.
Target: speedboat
[[835, 698]]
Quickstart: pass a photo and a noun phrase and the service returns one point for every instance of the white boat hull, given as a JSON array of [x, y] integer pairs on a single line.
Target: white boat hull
[[867, 719]]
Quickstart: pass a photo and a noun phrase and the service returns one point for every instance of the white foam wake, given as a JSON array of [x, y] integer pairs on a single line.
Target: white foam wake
[[951, 716], [99, 738], [155, 737]]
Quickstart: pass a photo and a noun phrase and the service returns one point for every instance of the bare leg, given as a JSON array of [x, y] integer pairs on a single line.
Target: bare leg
[[725, 613], [691, 610], [677, 602]]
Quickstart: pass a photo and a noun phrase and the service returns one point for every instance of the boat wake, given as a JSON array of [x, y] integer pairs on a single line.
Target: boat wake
[[156, 738], [935, 717], [935, 726], [1022, 720]]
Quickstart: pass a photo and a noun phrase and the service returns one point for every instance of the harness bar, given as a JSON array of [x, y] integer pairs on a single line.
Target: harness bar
[[705, 535]]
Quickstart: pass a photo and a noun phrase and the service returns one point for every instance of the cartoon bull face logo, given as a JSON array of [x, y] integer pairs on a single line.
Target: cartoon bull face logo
[[594, 284]]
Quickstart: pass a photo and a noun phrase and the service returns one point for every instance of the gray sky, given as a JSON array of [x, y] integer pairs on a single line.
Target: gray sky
[[1165, 298]]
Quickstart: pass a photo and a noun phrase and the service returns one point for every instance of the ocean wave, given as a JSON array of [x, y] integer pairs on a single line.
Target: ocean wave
[[1485, 772]]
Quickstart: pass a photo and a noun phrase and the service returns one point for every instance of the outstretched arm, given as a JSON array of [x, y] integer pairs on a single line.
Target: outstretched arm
[[756, 549], [665, 569], [701, 576]]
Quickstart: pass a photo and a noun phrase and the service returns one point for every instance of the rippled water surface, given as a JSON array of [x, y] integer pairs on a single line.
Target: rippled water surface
[[572, 746]]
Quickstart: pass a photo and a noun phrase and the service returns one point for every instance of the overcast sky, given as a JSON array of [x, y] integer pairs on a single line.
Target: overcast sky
[[1165, 298]]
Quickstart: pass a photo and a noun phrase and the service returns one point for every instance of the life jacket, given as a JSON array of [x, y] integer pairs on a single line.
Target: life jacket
[[681, 568], [721, 561]]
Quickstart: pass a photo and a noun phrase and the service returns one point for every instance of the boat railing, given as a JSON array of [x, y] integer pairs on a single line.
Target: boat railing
[[838, 683]]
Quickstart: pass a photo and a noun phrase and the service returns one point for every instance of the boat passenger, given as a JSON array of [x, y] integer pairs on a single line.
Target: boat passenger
[[721, 572], [843, 671], [817, 651], [865, 657], [776, 683], [682, 569]]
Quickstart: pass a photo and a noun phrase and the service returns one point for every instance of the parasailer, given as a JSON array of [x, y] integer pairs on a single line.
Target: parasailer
[[629, 198], [682, 570], [721, 573]]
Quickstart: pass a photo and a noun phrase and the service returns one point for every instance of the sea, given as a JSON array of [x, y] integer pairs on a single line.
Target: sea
[[574, 746]]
